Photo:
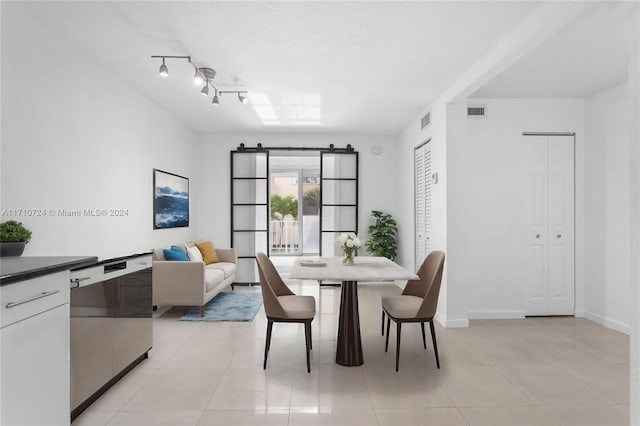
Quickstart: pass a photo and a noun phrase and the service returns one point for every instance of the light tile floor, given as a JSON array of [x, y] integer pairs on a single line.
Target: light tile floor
[[530, 372]]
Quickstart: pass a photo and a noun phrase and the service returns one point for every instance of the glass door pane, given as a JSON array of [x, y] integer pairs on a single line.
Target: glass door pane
[[285, 212], [338, 198], [249, 211]]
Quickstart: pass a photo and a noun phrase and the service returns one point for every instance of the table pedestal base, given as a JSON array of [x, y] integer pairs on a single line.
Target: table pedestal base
[[349, 343]]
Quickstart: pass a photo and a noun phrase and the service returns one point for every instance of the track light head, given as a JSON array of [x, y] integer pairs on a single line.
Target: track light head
[[197, 78], [242, 98], [216, 100], [163, 69], [205, 89]]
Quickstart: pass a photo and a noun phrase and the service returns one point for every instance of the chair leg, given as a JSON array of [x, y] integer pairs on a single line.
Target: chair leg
[[424, 339], [201, 311], [307, 338], [382, 325], [435, 345], [386, 345], [399, 324], [267, 343]]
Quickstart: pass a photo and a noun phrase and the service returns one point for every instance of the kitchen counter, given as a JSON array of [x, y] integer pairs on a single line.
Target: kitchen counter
[[14, 269]]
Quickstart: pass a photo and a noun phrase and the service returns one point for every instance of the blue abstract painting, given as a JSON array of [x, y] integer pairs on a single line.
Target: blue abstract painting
[[170, 200]]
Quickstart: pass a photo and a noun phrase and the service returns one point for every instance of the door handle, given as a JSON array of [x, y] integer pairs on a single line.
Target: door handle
[[559, 236], [31, 299], [537, 235]]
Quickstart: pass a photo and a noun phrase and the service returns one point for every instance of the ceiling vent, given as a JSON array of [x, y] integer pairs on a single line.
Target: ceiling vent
[[426, 120], [476, 111]]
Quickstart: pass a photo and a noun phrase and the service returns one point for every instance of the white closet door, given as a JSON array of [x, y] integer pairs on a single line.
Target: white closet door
[[561, 226], [549, 202], [422, 167]]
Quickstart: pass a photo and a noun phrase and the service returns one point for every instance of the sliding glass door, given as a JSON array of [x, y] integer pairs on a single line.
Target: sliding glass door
[[326, 197], [338, 198], [249, 211]]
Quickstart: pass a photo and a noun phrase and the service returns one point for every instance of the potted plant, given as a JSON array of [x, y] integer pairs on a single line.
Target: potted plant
[[382, 236], [13, 237]]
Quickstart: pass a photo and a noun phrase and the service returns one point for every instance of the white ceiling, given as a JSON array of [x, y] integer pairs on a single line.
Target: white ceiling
[[583, 59], [329, 67]]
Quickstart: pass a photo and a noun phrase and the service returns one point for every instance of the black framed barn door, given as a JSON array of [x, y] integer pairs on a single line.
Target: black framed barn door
[[338, 198], [249, 211]]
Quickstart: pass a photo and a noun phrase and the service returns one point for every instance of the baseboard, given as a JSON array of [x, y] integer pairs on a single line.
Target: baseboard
[[452, 322], [608, 322], [495, 314]]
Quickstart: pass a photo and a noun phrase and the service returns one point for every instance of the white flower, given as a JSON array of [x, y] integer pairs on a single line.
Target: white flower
[[349, 241]]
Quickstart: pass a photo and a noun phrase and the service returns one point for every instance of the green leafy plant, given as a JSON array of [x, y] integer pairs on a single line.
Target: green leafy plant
[[311, 201], [14, 232], [283, 206], [382, 236]]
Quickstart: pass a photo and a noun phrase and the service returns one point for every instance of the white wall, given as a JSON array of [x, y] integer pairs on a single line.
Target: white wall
[[76, 137], [378, 186], [473, 201], [607, 192], [410, 138], [633, 94], [484, 217]]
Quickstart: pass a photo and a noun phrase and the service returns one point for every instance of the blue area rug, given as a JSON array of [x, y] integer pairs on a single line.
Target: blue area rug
[[231, 306]]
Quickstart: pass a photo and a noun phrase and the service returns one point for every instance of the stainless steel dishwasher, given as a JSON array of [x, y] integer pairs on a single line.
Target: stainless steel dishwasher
[[111, 325]]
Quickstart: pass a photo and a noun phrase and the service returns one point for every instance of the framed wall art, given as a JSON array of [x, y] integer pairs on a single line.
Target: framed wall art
[[170, 200]]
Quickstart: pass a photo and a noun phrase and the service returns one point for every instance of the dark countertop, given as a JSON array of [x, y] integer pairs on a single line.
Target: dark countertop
[[14, 269]]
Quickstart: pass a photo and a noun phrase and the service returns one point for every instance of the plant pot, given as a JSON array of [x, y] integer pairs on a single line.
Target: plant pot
[[11, 249]]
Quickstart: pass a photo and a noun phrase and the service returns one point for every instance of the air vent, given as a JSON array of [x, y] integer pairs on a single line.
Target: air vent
[[426, 120], [476, 111]]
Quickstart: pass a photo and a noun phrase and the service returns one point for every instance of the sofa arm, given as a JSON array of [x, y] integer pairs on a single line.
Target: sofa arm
[[178, 283], [227, 255]]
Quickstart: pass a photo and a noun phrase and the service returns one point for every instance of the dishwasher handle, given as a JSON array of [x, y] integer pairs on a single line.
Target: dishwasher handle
[[32, 298]]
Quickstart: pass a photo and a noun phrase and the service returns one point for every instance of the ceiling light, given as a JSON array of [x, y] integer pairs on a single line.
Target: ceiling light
[[205, 89], [202, 75], [242, 94], [197, 78], [163, 69]]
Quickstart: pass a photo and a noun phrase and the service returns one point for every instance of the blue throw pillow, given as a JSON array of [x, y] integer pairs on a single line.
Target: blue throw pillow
[[175, 253]]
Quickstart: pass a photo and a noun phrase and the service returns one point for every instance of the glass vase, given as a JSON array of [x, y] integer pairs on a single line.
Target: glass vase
[[348, 258]]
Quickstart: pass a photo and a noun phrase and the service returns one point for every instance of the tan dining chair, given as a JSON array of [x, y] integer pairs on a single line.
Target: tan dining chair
[[417, 303], [283, 305]]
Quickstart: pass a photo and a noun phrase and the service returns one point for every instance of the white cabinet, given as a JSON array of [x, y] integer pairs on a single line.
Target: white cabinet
[[34, 342]]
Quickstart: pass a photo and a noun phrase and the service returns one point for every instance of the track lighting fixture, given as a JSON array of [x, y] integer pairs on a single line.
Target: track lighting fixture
[[197, 78], [163, 69], [202, 75], [205, 88], [242, 94]]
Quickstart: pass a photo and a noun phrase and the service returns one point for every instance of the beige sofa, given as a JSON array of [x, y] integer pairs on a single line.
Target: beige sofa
[[191, 283]]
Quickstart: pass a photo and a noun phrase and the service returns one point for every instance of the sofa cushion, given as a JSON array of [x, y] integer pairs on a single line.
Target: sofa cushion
[[175, 253], [194, 254], [212, 278], [226, 267], [158, 254], [209, 254]]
